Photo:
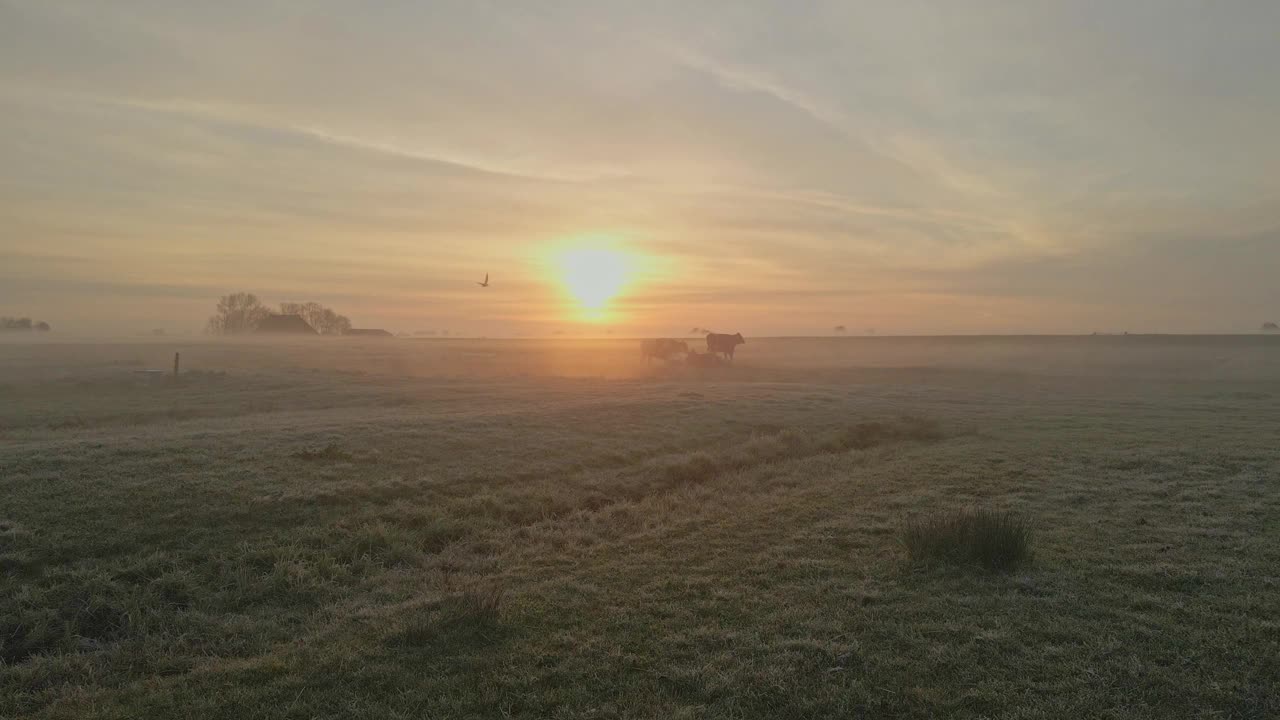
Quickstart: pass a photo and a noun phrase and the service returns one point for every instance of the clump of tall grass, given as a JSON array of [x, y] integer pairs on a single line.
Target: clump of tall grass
[[992, 539], [461, 618], [479, 606], [866, 435], [327, 453]]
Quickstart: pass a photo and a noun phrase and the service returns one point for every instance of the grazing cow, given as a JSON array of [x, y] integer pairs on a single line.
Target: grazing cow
[[662, 348], [724, 344]]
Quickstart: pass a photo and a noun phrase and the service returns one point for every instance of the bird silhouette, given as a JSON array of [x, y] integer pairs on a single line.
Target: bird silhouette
[[486, 281]]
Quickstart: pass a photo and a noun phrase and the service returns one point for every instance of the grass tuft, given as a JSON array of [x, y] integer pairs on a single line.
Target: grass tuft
[[865, 435], [992, 539], [463, 619], [328, 453], [480, 607]]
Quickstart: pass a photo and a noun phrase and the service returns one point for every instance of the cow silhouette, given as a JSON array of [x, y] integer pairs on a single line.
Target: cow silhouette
[[662, 348], [703, 360], [724, 344]]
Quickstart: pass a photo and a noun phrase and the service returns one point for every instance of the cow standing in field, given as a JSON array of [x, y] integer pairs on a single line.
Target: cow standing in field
[[724, 344], [662, 348]]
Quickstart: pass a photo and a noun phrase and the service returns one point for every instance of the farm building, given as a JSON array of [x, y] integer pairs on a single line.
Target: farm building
[[284, 325]]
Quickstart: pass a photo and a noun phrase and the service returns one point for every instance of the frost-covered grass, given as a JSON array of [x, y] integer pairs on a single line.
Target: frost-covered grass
[[455, 530]]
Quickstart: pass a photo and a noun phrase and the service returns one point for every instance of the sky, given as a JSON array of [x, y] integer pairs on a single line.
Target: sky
[[772, 168]]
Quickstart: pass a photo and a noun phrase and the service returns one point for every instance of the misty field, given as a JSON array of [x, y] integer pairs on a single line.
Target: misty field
[[488, 529]]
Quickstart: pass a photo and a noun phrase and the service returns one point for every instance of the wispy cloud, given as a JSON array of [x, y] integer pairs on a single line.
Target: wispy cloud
[[773, 156]]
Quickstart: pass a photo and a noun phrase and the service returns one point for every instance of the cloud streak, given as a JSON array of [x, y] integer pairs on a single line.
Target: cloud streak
[[830, 159]]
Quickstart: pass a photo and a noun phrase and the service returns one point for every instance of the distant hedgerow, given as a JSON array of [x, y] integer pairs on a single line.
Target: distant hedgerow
[[992, 539]]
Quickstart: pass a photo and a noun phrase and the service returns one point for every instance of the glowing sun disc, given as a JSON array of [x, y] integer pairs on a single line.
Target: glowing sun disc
[[593, 276]]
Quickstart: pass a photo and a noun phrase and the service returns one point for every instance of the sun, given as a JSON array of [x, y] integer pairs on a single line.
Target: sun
[[593, 275]]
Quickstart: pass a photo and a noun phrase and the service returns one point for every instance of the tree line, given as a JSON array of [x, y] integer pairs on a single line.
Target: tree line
[[23, 323], [241, 312]]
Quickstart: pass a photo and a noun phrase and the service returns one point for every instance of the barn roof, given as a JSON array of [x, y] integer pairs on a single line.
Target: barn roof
[[285, 324]]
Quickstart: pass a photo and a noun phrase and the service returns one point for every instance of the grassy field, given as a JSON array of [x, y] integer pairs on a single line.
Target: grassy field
[[486, 529]]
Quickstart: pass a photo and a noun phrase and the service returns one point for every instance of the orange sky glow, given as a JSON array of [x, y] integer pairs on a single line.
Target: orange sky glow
[[642, 169]]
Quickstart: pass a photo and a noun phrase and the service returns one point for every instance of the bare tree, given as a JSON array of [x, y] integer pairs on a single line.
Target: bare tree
[[323, 319], [237, 313], [334, 324]]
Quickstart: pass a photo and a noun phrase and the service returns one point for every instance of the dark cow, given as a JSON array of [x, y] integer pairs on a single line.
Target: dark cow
[[662, 348], [724, 344], [697, 359]]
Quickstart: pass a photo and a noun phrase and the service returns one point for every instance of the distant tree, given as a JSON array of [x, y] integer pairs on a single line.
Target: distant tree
[[336, 323], [1270, 327], [8, 323], [43, 326], [323, 319], [839, 328], [237, 313]]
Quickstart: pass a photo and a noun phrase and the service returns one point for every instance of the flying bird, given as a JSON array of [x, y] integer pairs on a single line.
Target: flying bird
[[486, 281]]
